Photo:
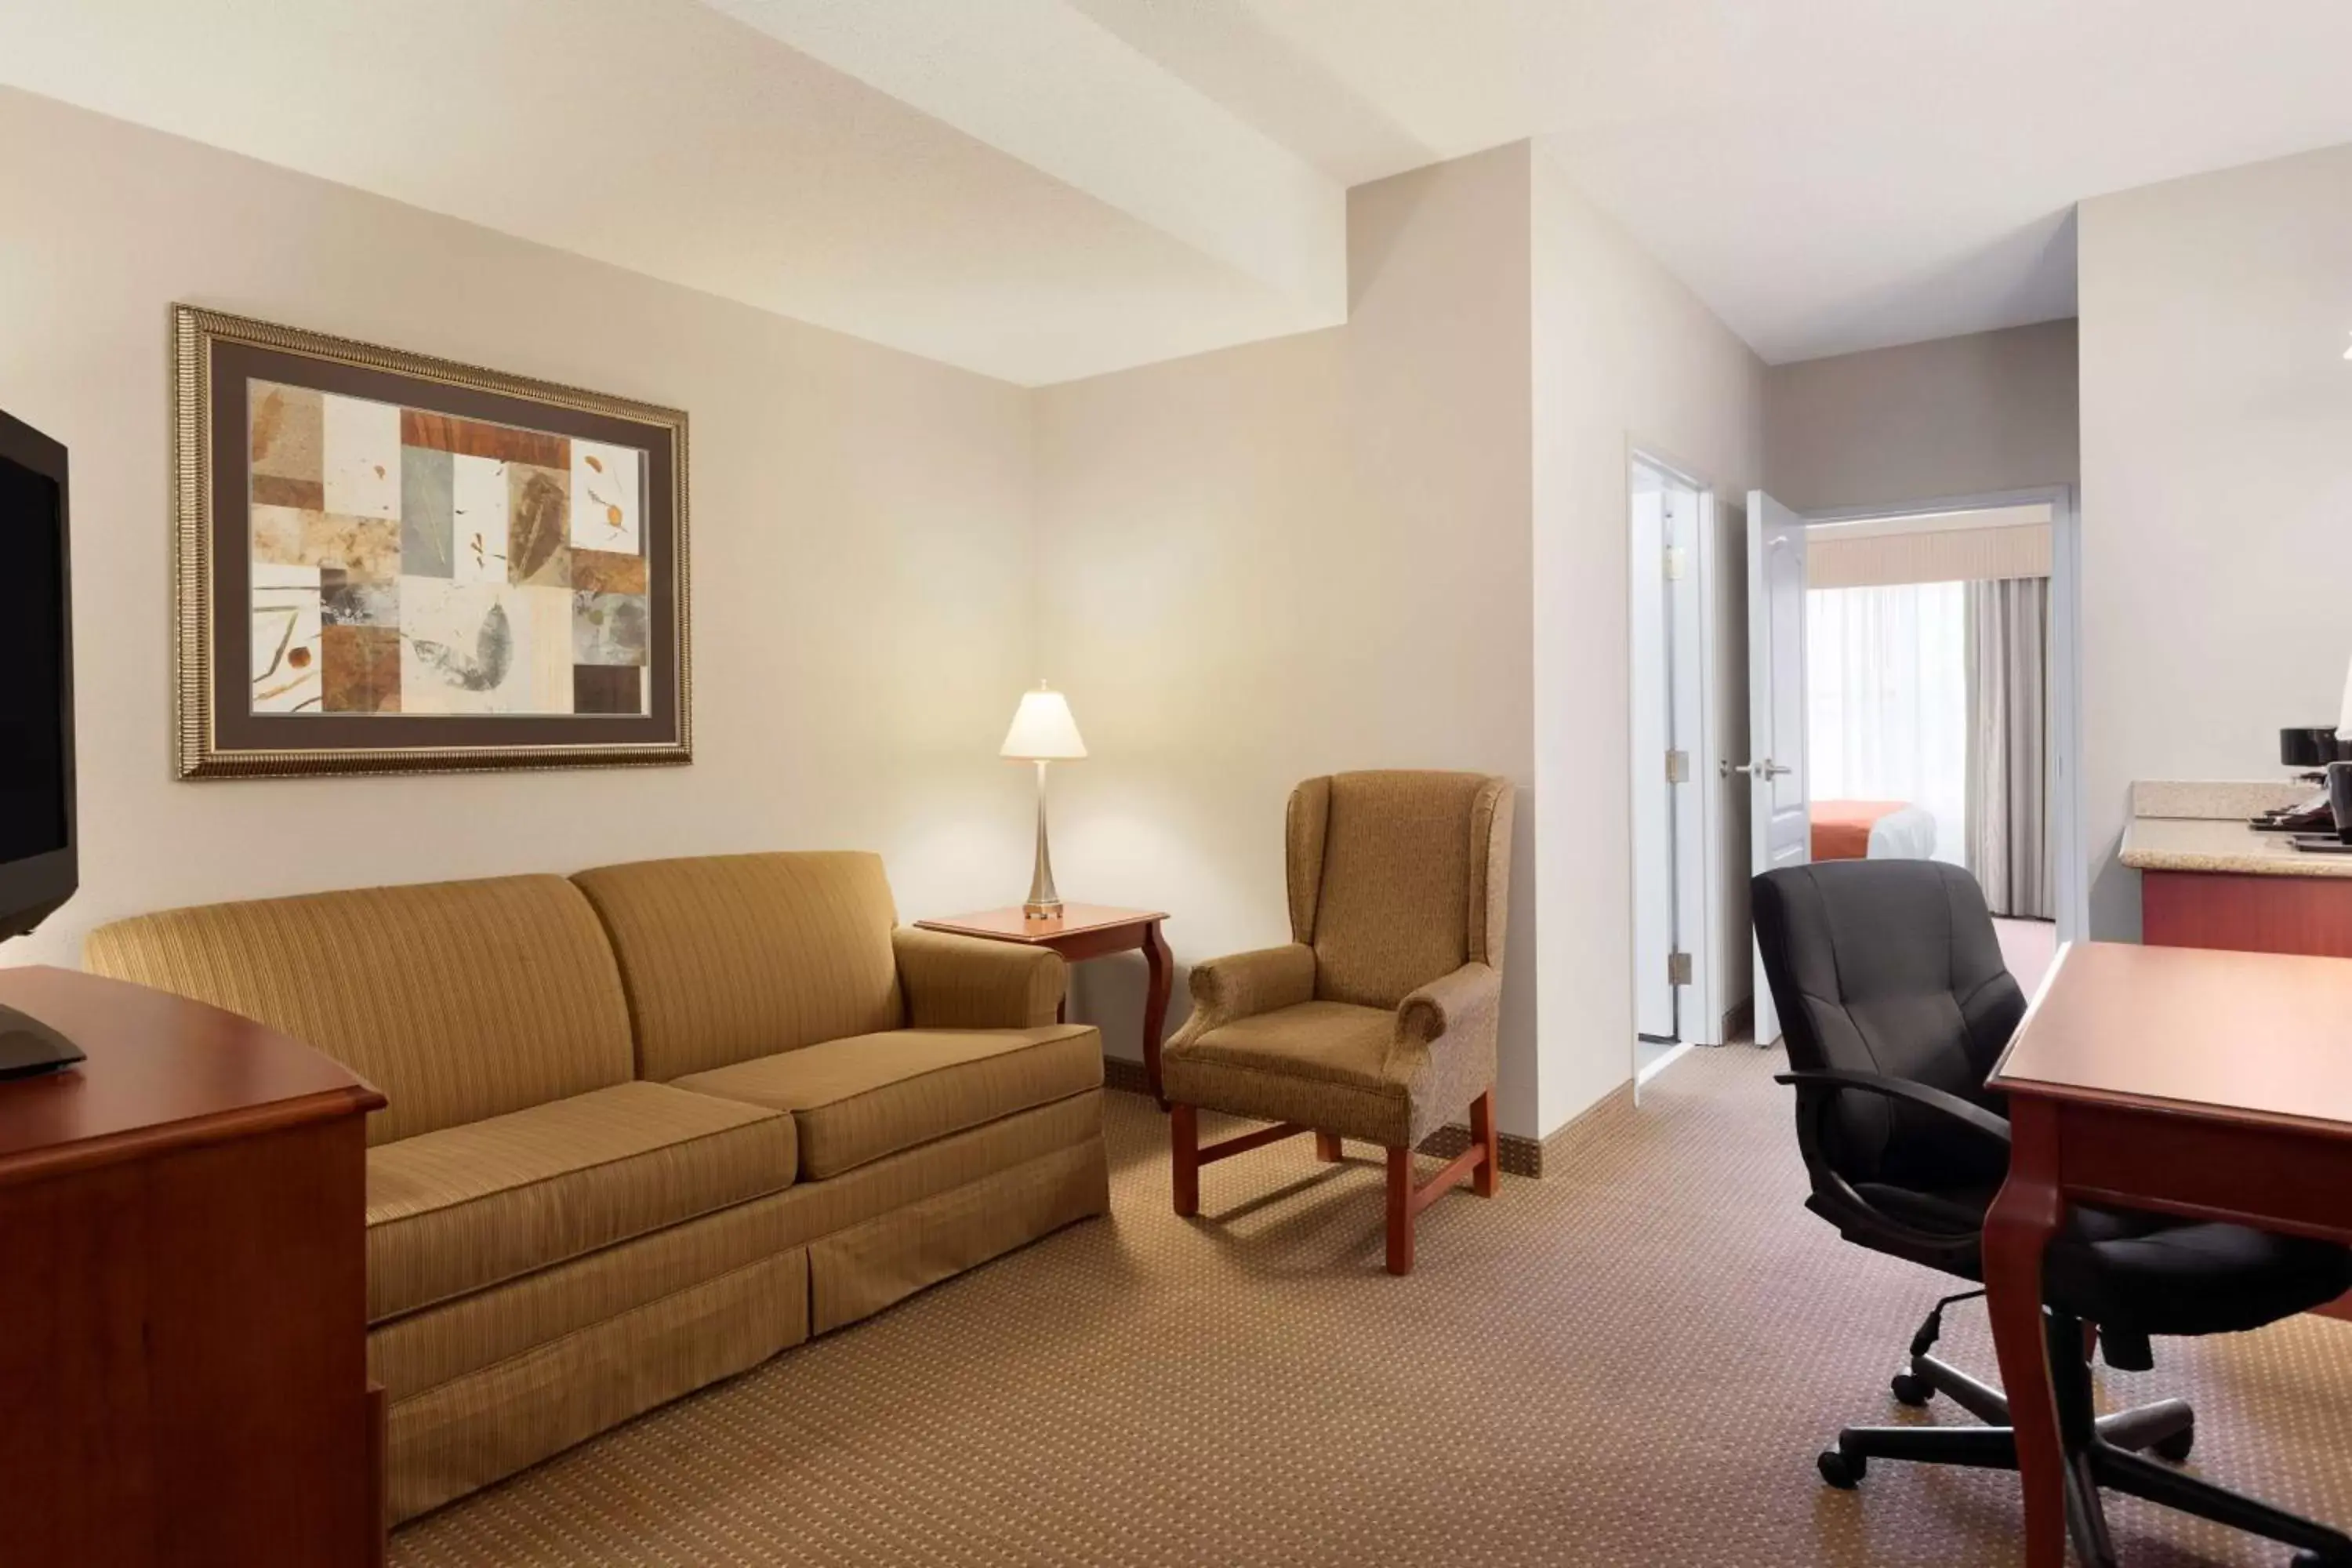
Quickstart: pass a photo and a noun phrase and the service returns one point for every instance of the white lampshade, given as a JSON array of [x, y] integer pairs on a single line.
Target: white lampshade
[[1043, 730]]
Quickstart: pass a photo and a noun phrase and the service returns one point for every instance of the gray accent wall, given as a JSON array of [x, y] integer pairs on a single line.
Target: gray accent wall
[[1957, 416]]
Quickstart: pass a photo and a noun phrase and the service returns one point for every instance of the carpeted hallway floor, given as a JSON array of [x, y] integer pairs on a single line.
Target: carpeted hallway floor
[[1631, 1365]]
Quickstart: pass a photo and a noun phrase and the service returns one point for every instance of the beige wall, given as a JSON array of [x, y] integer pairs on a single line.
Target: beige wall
[[1368, 546], [1624, 359], [1401, 542], [1959, 416], [2217, 482], [862, 566], [1297, 557]]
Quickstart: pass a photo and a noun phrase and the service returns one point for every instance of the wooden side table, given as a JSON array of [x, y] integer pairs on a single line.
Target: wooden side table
[[1084, 932]]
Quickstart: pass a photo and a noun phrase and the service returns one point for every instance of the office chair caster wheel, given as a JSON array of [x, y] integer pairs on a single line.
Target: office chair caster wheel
[[2175, 1449], [1913, 1390], [1843, 1472]]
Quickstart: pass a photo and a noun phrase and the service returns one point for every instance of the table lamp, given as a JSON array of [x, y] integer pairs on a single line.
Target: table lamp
[[1042, 732]]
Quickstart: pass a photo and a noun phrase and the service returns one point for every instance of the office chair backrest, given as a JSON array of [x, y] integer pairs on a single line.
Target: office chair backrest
[[1890, 967]]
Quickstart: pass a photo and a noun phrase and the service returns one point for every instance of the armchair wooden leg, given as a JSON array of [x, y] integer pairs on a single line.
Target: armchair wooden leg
[[1184, 1148], [1482, 1133], [1401, 1209], [1327, 1148]]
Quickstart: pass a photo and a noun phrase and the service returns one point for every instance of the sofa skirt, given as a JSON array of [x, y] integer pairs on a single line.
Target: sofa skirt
[[492, 1383], [466, 1433], [857, 1272]]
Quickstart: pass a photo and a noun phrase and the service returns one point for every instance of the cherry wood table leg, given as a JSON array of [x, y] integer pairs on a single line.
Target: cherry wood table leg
[[1327, 1148], [1184, 1148], [1155, 1006], [2017, 1230]]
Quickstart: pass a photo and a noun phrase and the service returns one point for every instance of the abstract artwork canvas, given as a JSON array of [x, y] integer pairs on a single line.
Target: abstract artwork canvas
[[394, 564]]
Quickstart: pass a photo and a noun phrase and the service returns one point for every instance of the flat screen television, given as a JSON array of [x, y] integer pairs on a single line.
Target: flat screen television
[[38, 866]]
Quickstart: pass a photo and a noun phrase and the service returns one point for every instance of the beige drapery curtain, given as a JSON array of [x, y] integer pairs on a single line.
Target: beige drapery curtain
[[2008, 749]]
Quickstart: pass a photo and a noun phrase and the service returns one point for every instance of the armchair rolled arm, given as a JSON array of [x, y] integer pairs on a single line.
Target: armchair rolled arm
[[1835, 1199], [954, 982], [1244, 984], [1447, 1002]]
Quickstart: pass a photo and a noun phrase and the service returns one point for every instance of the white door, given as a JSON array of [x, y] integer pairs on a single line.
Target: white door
[[1669, 812], [1780, 824], [1653, 741]]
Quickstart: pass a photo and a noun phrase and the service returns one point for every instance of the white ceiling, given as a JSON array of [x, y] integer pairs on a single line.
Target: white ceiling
[[664, 136], [1827, 174], [1045, 189]]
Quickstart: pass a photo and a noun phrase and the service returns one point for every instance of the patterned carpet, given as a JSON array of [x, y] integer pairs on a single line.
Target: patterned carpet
[[1628, 1365]]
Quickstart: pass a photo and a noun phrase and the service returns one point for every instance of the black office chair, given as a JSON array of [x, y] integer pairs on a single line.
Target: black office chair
[[1894, 1004]]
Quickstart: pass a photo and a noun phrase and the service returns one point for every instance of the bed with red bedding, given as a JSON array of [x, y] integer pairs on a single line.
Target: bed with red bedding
[[1845, 829]]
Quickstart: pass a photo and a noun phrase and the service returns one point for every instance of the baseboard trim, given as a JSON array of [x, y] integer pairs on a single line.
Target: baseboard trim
[[1517, 1156], [1126, 1075], [1740, 1023]]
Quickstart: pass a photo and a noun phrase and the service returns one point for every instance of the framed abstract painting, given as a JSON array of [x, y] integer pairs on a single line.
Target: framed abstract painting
[[391, 564]]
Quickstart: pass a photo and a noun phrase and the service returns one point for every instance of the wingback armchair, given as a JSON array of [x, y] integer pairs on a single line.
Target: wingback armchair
[[1377, 1020]]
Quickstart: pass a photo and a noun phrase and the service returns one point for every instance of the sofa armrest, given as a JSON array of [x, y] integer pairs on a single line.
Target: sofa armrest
[[971, 982], [1244, 984]]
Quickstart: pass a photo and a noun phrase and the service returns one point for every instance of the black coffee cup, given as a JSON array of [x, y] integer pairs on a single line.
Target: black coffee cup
[[2339, 798]]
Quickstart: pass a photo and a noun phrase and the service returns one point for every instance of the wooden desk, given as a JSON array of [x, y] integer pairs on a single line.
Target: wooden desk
[[2209, 1084], [183, 1291], [1084, 932]]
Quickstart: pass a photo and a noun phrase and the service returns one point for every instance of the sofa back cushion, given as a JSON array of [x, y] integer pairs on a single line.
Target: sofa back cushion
[[729, 957], [459, 1000]]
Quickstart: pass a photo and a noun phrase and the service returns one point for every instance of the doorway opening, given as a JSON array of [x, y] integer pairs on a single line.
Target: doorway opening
[[1928, 660], [1930, 638], [1670, 655]]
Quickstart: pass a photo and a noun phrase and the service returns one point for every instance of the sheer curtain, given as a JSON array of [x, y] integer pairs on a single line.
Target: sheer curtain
[[2008, 760], [1887, 677]]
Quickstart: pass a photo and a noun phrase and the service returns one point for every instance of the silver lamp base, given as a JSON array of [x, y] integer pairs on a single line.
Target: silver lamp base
[[1043, 902]]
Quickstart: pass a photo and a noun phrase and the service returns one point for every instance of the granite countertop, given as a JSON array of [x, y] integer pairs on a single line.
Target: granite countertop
[[2200, 826], [2214, 844]]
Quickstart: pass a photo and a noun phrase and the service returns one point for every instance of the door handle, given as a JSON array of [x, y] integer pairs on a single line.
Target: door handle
[[1767, 769]]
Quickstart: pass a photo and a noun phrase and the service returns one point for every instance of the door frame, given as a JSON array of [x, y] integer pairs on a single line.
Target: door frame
[[2068, 800], [1702, 1022]]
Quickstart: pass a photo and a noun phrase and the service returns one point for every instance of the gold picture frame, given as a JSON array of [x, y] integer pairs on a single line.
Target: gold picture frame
[[599, 588]]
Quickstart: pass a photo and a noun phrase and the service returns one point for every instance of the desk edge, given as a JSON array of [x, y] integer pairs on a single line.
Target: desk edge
[[193, 1132]]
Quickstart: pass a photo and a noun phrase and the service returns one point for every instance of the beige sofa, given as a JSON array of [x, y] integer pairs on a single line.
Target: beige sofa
[[650, 1125]]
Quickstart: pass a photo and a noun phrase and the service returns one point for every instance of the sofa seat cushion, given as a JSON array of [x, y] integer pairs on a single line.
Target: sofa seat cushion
[[1321, 1064], [859, 1098], [468, 1207]]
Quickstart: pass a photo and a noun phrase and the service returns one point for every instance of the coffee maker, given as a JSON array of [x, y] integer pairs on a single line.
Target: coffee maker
[[2307, 750]]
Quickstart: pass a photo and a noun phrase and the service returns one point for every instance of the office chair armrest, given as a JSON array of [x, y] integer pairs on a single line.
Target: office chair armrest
[[1951, 1106], [1835, 1199]]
